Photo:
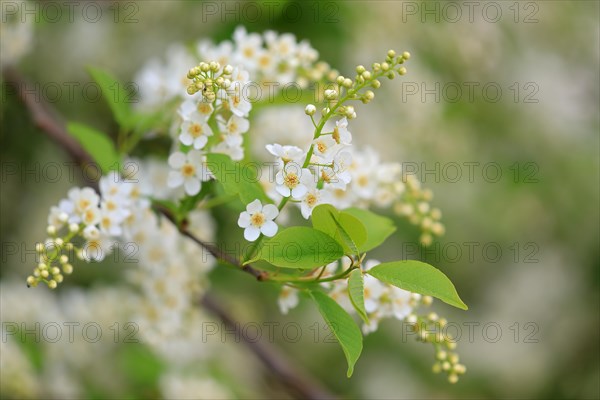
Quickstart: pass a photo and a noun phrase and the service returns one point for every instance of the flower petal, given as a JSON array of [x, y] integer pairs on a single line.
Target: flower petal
[[176, 160], [271, 211], [175, 179], [251, 233], [192, 186], [254, 207], [244, 220], [269, 228]]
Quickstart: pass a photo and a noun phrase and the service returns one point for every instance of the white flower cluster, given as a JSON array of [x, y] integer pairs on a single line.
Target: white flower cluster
[[75, 356], [218, 99], [273, 60], [381, 300], [93, 225]]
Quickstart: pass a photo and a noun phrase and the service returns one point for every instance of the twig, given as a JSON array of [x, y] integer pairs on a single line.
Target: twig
[[46, 120]]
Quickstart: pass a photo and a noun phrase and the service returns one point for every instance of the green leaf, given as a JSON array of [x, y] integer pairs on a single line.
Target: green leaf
[[345, 228], [115, 95], [418, 277], [97, 145], [299, 247], [356, 289], [237, 178], [378, 228], [343, 327]]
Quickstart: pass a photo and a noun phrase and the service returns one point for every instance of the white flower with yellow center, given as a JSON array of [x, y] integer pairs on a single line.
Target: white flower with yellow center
[[235, 125], [325, 147], [337, 176], [110, 222], [189, 170], [293, 181], [340, 134], [195, 132], [195, 108], [258, 219], [91, 216], [83, 199], [286, 153], [248, 47], [313, 198], [236, 99]]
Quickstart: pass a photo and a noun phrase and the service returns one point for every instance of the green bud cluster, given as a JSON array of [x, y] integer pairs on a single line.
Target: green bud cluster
[[209, 78], [430, 329], [54, 257]]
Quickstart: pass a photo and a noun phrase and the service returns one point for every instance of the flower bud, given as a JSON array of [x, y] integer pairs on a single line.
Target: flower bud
[[55, 271], [452, 378], [58, 278], [402, 71], [204, 67], [360, 69], [406, 55], [391, 53], [376, 84], [44, 273], [310, 110], [51, 230], [331, 94], [52, 284], [39, 247], [347, 83], [73, 228], [214, 66], [366, 75], [67, 269], [228, 70], [385, 66], [340, 80], [30, 280]]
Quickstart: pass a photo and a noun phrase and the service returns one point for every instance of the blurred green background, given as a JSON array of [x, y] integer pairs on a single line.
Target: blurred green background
[[506, 95]]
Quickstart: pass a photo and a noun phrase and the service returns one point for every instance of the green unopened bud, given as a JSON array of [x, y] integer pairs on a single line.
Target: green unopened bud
[[402, 71], [391, 53], [385, 66], [58, 278], [360, 69], [55, 271], [228, 70], [31, 280], [191, 90], [406, 55], [366, 75], [44, 273], [214, 66], [204, 67], [52, 284], [67, 269], [376, 84], [340, 80]]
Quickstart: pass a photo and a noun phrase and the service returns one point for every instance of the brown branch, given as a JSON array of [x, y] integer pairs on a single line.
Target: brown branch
[[48, 121], [213, 250]]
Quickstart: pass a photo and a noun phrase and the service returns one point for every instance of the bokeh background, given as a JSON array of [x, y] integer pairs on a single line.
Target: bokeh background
[[505, 94]]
